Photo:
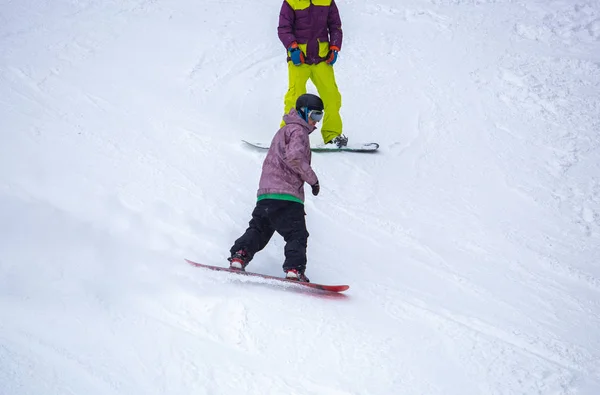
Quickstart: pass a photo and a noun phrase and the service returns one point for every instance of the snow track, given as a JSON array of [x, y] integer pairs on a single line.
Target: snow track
[[470, 240]]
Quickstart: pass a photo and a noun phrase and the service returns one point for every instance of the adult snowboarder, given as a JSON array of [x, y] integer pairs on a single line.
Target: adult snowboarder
[[311, 31], [280, 205]]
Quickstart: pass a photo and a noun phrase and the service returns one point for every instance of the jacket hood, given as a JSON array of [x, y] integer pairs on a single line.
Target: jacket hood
[[293, 118]]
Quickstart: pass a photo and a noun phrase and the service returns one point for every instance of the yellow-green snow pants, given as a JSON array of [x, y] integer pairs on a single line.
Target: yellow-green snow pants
[[323, 77]]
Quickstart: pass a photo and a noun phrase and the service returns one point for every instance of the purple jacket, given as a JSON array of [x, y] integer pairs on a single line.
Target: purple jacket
[[287, 165], [315, 23]]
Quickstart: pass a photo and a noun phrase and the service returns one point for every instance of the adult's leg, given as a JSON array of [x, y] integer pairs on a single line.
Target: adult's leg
[[297, 78], [323, 77]]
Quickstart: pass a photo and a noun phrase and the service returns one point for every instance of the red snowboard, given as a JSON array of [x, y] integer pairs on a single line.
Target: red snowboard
[[330, 288]]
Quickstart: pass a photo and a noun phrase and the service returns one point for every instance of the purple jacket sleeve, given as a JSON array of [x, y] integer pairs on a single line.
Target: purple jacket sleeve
[[297, 156], [285, 30], [334, 23]]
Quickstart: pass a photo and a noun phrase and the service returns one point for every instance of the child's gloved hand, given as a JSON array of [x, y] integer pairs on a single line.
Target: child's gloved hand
[[315, 188], [296, 54], [332, 55]]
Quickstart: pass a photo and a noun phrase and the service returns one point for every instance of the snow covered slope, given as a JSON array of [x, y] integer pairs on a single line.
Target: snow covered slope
[[471, 241]]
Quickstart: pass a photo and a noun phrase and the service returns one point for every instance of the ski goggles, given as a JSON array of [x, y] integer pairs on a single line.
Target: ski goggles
[[315, 115]]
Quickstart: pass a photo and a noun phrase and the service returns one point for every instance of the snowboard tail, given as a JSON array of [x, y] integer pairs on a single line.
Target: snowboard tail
[[352, 147], [321, 287]]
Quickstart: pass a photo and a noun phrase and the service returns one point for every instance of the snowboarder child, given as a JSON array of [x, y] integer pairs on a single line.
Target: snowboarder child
[[280, 205]]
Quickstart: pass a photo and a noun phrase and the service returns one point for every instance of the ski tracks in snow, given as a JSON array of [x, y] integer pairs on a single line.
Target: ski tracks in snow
[[257, 323], [520, 89], [469, 240]]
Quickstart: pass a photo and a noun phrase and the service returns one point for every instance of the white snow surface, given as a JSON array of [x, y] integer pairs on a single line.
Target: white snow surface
[[470, 241]]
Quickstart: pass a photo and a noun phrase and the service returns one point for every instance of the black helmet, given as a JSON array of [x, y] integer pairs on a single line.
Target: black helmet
[[310, 101]]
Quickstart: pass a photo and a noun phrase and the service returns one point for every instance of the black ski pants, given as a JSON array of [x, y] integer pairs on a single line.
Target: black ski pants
[[281, 216]]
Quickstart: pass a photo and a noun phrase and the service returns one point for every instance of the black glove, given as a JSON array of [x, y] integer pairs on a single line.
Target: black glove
[[315, 188]]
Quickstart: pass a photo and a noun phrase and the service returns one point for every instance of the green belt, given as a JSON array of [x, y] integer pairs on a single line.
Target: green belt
[[280, 196]]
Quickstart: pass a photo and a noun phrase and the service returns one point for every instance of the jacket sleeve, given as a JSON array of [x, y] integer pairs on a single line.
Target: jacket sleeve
[[285, 30], [334, 23], [298, 156]]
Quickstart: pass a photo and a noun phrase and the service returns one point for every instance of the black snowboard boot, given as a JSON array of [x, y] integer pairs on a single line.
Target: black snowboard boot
[[294, 274], [238, 261], [340, 141]]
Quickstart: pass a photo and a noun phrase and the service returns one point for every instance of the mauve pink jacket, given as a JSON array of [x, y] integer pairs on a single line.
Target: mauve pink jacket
[[287, 165]]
